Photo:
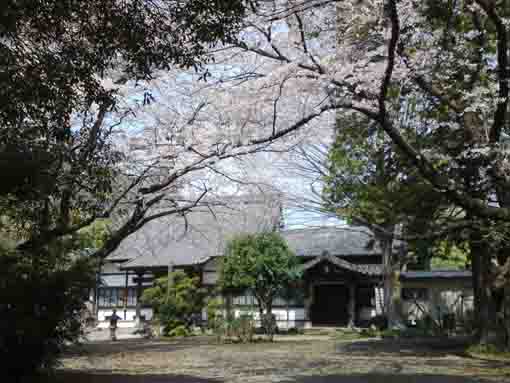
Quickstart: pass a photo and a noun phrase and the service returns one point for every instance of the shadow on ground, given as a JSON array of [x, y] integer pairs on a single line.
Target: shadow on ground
[[390, 378], [104, 348], [78, 377], [406, 347], [353, 378]]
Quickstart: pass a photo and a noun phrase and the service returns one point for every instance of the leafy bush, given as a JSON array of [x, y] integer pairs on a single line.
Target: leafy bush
[[41, 309], [348, 334], [415, 332], [467, 321], [390, 333], [294, 331], [425, 324], [379, 321], [221, 328], [370, 332], [243, 328], [489, 351], [176, 303], [179, 331], [213, 308]]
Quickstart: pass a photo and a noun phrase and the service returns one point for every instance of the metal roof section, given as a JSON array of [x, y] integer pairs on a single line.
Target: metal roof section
[[436, 274]]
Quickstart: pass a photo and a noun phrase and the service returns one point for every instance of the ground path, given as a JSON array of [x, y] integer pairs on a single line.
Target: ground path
[[300, 359]]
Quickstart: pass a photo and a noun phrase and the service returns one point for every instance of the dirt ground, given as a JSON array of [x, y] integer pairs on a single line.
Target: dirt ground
[[300, 359]]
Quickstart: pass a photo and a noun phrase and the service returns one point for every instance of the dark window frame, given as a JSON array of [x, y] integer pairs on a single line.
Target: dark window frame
[[415, 294], [108, 297], [248, 300]]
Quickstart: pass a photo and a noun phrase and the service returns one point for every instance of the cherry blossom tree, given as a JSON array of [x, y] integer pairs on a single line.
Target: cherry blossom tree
[[431, 75]]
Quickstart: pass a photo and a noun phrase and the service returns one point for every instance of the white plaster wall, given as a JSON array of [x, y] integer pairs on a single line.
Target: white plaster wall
[[211, 265], [210, 277], [281, 314], [210, 273], [293, 318], [443, 298], [367, 313], [130, 316], [379, 301]]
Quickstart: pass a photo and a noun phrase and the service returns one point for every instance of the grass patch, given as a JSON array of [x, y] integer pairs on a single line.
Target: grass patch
[[292, 331], [408, 333], [351, 334], [489, 351]]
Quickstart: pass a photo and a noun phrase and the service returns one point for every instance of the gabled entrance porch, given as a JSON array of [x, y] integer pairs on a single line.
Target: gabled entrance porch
[[340, 293]]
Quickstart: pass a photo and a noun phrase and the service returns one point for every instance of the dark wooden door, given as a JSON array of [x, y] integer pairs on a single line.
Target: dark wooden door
[[330, 305]]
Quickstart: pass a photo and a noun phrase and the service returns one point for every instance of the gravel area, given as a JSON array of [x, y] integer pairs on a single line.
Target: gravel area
[[305, 359]]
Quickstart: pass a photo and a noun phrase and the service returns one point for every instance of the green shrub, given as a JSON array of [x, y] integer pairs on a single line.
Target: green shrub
[[467, 321], [294, 331], [390, 333], [176, 303], [379, 321], [213, 309], [348, 335], [169, 317], [221, 328], [370, 332], [179, 331], [352, 334], [489, 351], [41, 311], [243, 328], [415, 333], [426, 325]]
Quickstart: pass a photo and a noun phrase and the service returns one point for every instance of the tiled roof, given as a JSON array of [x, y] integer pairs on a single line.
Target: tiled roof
[[346, 241], [164, 242]]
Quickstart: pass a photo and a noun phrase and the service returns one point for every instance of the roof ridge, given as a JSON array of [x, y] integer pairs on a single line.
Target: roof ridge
[[332, 228]]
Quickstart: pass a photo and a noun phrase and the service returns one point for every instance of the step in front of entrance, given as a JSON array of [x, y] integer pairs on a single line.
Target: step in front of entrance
[[120, 324], [323, 330]]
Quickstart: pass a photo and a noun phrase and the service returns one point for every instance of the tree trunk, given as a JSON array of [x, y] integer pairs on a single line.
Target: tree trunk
[[481, 287], [261, 317], [506, 314], [391, 286], [287, 308], [266, 312], [138, 309], [228, 306], [270, 330]]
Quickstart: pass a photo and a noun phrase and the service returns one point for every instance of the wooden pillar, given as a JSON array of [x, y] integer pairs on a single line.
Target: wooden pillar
[[96, 293], [352, 305], [126, 295], [308, 301], [229, 315], [138, 298], [169, 280]]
